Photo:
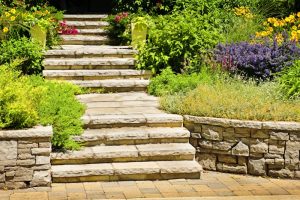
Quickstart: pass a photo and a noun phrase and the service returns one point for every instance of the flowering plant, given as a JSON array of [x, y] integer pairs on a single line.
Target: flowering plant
[[64, 29], [259, 60], [243, 11], [275, 26], [119, 28]]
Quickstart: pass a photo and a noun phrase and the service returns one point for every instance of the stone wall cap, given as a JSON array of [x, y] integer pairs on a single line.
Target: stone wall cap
[[35, 132], [272, 125]]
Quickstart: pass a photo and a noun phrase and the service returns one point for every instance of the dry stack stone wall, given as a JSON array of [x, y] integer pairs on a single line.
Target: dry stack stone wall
[[25, 158], [246, 147]]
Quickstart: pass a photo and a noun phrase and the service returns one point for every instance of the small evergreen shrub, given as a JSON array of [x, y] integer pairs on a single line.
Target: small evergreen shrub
[[29, 52]]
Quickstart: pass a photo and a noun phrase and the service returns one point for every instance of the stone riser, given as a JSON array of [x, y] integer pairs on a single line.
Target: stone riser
[[82, 42], [117, 89], [132, 142], [88, 78], [91, 56], [123, 159], [76, 67], [85, 17], [120, 125], [132, 177]]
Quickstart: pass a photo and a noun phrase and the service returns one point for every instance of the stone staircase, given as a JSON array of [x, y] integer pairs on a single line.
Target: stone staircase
[[126, 136]]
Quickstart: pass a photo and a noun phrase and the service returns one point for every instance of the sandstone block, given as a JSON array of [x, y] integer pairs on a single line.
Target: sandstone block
[[232, 168], [41, 151], [41, 178], [227, 159], [207, 161], [212, 132], [8, 150], [283, 173], [2, 178], [276, 149], [25, 156], [44, 145], [196, 135], [223, 146], [23, 174], [257, 167], [242, 160], [270, 161], [242, 132], [259, 147], [260, 134], [197, 128], [240, 149], [27, 162], [205, 144], [279, 135], [42, 160], [295, 136]]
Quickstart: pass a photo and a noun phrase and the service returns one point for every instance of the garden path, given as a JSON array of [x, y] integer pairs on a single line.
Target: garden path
[[126, 136]]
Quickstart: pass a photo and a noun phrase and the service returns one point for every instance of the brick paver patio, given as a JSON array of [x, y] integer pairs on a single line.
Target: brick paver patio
[[212, 185]]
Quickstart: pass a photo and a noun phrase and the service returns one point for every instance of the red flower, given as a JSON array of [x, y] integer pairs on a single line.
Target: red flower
[[118, 18], [125, 14]]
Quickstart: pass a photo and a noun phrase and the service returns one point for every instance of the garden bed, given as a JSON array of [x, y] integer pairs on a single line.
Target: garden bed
[[246, 147]]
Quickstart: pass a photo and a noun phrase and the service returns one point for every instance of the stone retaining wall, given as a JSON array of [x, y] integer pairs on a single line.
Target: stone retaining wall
[[246, 147], [25, 158]]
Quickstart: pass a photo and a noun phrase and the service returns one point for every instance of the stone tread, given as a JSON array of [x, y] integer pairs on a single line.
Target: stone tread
[[116, 97], [84, 39], [87, 24], [113, 83], [92, 31], [123, 104], [54, 63], [131, 134], [85, 17], [133, 120], [97, 74], [85, 51], [126, 168], [121, 153]]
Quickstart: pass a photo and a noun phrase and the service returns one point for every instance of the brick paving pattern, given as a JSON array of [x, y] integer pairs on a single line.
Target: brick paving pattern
[[212, 184]]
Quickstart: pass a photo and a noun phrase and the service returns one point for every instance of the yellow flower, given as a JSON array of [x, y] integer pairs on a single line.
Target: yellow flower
[[294, 28], [47, 12], [279, 38], [13, 11], [7, 14], [270, 29], [12, 18], [294, 36], [5, 30], [298, 14], [290, 19]]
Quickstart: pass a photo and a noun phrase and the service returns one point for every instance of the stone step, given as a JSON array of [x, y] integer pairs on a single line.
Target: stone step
[[125, 153], [132, 120], [84, 40], [116, 97], [87, 24], [114, 85], [96, 74], [123, 104], [133, 135], [90, 51], [88, 63], [85, 17], [126, 171], [92, 32]]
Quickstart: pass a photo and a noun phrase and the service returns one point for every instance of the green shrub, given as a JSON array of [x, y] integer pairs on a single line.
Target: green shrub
[[24, 49], [289, 81], [169, 83], [179, 40], [234, 99], [18, 100], [120, 29], [59, 107]]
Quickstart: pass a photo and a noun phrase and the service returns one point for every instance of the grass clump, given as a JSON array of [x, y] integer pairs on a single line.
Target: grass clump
[[230, 97]]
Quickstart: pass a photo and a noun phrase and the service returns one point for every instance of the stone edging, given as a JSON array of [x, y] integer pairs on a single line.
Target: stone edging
[[247, 147], [25, 157]]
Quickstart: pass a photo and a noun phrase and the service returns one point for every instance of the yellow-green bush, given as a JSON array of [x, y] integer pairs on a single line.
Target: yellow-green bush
[[18, 100], [234, 100]]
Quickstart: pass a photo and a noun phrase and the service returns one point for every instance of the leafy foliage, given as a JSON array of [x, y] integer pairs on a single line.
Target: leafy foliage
[[289, 81], [18, 100], [119, 29], [257, 60], [233, 98], [25, 49], [177, 40]]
